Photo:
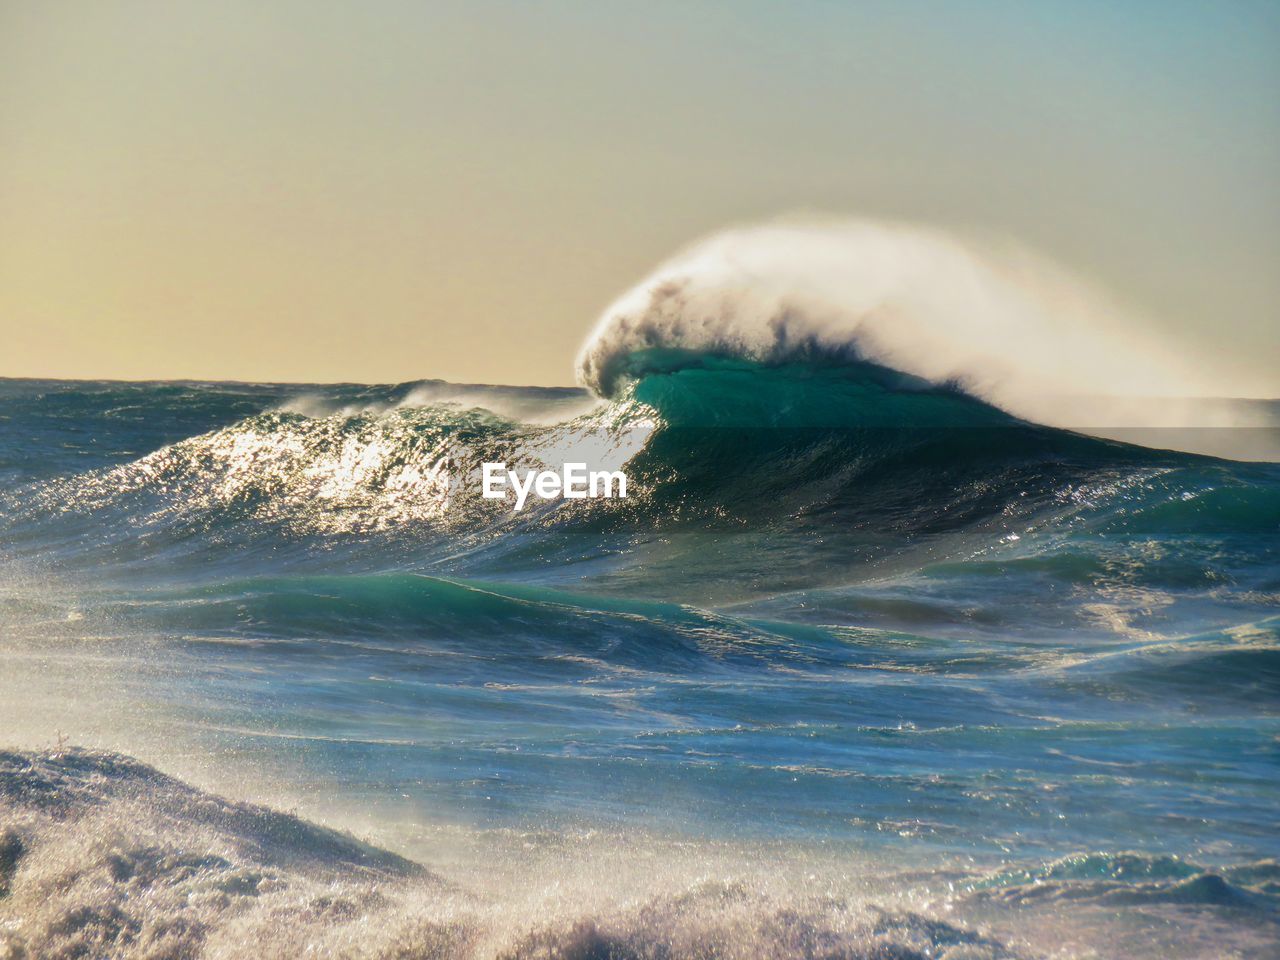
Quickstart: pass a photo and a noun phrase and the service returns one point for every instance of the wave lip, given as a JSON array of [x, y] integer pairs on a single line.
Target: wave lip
[[906, 297]]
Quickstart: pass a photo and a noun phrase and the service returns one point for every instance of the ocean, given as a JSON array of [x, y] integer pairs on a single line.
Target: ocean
[[862, 666]]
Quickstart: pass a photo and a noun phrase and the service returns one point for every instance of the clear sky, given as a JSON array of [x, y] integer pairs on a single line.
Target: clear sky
[[386, 191]]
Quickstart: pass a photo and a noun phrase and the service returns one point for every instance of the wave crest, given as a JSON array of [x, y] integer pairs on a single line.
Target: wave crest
[[1000, 323]]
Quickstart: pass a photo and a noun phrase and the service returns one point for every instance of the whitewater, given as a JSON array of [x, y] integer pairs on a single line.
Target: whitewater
[[939, 620]]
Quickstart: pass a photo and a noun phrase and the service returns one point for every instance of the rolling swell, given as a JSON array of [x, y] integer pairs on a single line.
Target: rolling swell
[[709, 442]]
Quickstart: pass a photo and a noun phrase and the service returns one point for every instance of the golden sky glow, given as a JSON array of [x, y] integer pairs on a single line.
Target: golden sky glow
[[391, 191]]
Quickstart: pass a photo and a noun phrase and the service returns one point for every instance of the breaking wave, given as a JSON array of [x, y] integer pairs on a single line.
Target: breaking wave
[[998, 322]]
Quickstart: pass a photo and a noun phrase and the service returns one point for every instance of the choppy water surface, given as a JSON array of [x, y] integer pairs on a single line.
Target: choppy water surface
[[852, 637]]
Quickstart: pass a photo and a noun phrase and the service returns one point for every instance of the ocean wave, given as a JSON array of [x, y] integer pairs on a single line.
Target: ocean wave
[[841, 468], [998, 323]]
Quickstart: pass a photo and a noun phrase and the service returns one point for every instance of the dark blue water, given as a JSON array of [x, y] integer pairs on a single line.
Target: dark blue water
[[837, 607]]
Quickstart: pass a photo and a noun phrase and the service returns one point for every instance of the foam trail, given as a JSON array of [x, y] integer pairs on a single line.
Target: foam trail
[[1002, 323]]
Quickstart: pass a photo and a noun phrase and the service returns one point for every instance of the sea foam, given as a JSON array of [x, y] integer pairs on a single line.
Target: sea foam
[[103, 856]]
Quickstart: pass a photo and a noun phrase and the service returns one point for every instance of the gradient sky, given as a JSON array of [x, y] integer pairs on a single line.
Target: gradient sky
[[386, 191]]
